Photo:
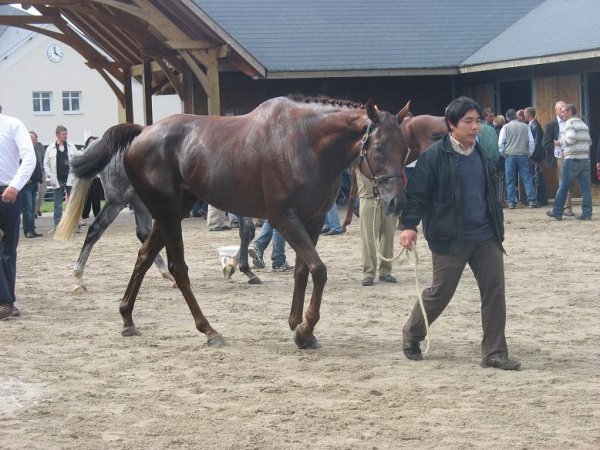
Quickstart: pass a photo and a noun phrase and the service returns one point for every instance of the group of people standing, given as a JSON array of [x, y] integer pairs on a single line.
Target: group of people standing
[[525, 147], [52, 162]]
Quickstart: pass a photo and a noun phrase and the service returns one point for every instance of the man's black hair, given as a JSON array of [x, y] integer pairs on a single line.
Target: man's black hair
[[459, 107]]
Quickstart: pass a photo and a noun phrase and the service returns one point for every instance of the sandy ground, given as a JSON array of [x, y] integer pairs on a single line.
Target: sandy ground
[[69, 380]]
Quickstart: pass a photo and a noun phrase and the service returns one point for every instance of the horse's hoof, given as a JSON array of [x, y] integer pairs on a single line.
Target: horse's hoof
[[254, 280], [228, 271], [306, 344], [217, 341], [168, 276], [80, 289], [130, 331]]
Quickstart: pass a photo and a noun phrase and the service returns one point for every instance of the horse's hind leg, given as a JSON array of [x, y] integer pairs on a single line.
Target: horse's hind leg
[[247, 232], [105, 218], [143, 224], [171, 232]]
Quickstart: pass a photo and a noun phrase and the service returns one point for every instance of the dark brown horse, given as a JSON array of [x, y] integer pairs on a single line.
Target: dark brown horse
[[282, 161], [419, 133]]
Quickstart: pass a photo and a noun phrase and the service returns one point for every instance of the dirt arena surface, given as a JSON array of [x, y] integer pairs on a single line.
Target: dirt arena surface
[[69, 380]]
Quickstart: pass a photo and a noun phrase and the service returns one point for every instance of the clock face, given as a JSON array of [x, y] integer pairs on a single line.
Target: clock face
[[55, 53]]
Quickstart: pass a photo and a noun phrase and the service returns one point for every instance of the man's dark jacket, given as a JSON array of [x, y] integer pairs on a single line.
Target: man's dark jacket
[[538, 136], [551, 132], [434, 196]]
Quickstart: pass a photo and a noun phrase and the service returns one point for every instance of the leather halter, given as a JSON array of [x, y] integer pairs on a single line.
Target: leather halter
[[375, 179]]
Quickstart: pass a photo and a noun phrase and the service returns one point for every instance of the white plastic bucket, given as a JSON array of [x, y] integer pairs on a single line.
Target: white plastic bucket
[[230, 258]]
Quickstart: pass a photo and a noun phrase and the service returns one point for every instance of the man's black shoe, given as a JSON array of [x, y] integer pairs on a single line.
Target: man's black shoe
[[33, 234], [367, 281], [412, 350], [388, 278], [500, 362]]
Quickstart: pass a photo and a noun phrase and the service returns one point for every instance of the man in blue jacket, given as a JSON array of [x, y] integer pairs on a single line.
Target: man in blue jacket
[[453, 190]]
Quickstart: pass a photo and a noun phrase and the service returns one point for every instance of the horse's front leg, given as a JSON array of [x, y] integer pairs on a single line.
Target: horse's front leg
[[247, 232], [151, 247], [307, 260]]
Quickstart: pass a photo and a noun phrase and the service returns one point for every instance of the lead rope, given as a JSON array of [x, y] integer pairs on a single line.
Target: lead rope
[[412, 261]]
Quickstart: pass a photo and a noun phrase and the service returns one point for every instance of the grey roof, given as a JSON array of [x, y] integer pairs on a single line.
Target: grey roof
[[6, 10], [337, 35], [555, 27], [10, 37]]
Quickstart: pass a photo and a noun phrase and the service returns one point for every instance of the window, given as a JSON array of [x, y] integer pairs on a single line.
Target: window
[[71, 101], [42, 102]]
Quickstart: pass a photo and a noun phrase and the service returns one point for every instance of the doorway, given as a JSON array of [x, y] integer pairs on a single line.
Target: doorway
[[515, 94], [593, 118]]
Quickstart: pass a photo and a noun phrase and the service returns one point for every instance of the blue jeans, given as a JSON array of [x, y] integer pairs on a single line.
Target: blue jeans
[[264, 238], [10, 222], [59, 196], [514, 164], [28, 196], [574, 169], [332, 219]]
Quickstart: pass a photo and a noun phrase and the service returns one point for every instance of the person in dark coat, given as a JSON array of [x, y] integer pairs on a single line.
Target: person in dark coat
[[453, 191], [538, 155]]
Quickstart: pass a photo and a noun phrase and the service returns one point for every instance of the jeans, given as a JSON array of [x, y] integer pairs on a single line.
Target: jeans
[[59, 195], [198, 207], [574, 169], [332, 219], [264, 238], [28, 196], [514, 164], [10, 222]]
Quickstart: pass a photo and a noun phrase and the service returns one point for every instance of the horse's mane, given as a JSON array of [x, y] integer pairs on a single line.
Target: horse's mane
[[325, 101]]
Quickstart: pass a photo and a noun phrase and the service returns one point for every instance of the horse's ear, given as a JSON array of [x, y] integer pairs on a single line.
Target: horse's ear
[[404, 112], [372, 111]]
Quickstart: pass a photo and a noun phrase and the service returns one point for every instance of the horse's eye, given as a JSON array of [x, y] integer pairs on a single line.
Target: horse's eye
[[377, 146]]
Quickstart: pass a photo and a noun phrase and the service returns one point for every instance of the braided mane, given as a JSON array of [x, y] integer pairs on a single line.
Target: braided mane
[[300, 98]]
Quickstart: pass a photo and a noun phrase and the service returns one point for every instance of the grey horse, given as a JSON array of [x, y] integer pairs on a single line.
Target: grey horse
[[118, 193]]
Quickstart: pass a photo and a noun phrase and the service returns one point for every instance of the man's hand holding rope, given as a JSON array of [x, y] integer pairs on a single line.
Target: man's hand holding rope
[[408, 239]]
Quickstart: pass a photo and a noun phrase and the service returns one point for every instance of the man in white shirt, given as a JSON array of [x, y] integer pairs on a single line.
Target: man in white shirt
[[15, 146]]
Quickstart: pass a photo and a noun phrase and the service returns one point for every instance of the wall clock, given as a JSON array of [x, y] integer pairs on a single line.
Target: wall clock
[[55, 53]]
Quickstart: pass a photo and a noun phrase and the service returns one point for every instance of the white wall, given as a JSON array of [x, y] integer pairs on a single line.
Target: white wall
[[27, 69]]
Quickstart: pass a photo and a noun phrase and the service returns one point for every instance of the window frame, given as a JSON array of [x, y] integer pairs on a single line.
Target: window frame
[[41, 99], [70, 98]]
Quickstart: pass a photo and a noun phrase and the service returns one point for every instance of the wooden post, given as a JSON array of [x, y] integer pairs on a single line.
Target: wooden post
[[127, 91], [147, 83]]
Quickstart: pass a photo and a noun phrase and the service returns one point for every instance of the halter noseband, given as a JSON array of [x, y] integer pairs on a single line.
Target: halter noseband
[[375, 179]]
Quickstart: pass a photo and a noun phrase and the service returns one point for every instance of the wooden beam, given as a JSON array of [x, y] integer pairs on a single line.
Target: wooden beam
[[19, 21], [190, 45], [147, 84], [213, 91], [128, 91], [113, 86], [138, 69], [174, 79]]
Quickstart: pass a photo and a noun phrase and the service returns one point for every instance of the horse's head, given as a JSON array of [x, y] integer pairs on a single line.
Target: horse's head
[[383, 153]]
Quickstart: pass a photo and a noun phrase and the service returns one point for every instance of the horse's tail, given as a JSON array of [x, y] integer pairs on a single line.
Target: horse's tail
[[115, 140], [97, 156]]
